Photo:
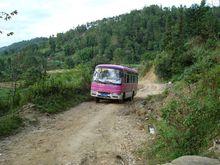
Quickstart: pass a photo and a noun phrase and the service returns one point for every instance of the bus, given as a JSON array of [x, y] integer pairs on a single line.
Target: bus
[[114, 82]]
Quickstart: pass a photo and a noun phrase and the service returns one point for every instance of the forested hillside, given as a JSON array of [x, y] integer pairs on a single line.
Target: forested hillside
[[126, 39], [15, 47], [181, 44]]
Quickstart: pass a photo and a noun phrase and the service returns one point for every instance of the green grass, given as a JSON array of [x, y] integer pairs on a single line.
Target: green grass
[[4, 101], [53, 94], [60, 90], [9, 123], [190, 119], [4, 93]]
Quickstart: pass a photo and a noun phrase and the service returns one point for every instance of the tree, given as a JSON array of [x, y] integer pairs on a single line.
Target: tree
[[118, 56], [68, 50], [52, 44], [70, 62], [83, 56], [7, 17], [59, 40], [167, 40], [14, 68]]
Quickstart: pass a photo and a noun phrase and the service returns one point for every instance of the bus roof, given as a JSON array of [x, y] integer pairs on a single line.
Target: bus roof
[[117, 67]]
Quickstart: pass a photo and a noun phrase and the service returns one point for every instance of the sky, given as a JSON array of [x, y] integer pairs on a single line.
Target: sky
[[42, 18]]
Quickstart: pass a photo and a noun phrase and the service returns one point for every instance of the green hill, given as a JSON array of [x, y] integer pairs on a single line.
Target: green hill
[[182, 44], [128, 38], [16, 47]]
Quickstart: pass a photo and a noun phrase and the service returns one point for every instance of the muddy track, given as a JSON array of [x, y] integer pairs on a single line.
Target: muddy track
[[90, 133]]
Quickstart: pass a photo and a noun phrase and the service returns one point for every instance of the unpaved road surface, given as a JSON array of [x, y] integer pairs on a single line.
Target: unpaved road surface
[[88, 134]]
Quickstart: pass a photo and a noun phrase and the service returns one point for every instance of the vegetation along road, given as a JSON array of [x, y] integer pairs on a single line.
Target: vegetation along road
[[42, 79], [94, 133]]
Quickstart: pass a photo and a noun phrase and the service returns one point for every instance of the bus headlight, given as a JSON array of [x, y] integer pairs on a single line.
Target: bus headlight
[[93, 93], [115, 95]]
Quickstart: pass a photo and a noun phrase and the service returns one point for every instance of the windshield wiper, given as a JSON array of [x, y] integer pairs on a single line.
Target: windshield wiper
[[110, 82], [103, 82], [107, 82]]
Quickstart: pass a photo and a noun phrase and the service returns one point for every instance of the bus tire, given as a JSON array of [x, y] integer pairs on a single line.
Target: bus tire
[[97, 100], [132, 97], [123, 98]]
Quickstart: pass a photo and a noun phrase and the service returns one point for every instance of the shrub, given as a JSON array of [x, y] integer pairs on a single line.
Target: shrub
[[144, 68], [61, 90], [211, 44], [32, 75], [4, 107], [191, 120], [9, 123], [4, 101], [163, 66], [188, 63]]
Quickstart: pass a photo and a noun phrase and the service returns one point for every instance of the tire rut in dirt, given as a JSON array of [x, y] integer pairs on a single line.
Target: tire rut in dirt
[[104, 158]]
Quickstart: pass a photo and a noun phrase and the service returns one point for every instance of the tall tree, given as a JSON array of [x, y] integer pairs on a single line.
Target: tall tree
[[52, 44]]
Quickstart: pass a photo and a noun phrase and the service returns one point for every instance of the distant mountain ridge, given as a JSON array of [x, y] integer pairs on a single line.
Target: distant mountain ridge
[[22, 44]]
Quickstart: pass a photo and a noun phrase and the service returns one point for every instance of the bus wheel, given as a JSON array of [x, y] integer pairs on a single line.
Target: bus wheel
[[97, 100], [132, 97], [123, 98]]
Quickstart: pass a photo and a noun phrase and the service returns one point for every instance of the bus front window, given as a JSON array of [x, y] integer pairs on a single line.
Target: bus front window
[[107, 76]]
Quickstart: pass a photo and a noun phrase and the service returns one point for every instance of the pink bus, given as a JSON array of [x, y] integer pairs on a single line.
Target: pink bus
[[114, 82]]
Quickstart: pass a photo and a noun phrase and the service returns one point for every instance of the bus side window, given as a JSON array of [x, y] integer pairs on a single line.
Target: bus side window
[[128, 76]]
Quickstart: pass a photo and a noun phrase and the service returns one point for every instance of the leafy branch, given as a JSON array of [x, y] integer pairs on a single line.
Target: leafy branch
[[7, 17]]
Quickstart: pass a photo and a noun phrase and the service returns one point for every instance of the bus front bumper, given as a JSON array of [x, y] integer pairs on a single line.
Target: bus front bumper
[[106, 95]]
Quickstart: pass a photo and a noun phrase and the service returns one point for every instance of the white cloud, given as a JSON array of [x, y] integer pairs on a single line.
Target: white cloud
[[46, 17]]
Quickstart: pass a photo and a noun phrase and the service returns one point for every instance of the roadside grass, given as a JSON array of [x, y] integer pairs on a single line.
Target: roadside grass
[[9, 121], [4, 100], [55, 93], [60, 90], [4, 93], [58, 71], [190, 115], [189, 120], [9, 124]]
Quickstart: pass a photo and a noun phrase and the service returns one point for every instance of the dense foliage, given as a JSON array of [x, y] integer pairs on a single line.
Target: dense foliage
[[60, 90], [191, 119], [126, 39], [182, 44], [53, 93]]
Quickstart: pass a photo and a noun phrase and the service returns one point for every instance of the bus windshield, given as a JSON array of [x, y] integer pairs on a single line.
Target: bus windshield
[[107, 75]]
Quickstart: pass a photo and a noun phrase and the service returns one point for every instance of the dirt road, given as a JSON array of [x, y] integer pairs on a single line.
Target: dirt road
[[90, 133]]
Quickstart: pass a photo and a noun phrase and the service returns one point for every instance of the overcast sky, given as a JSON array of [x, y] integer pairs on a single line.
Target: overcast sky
[[38, 18]]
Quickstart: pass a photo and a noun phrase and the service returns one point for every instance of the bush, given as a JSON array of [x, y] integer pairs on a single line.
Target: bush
[[9, 123], [32, 75], [144, 68], [190, 121], [211, 44], [188, 63], [4, 107], [194, 73], [61, 90], [4, 101], [163, 66]]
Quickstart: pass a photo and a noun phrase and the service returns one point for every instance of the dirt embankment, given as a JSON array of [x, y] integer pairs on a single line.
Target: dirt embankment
[[89, 133]]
